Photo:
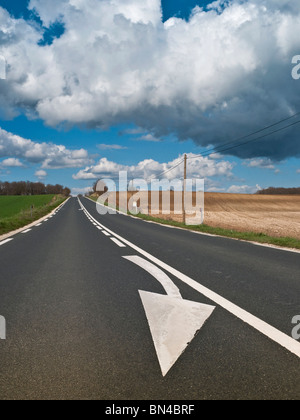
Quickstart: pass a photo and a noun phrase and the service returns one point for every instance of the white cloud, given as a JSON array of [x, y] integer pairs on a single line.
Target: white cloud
[[224, 73], [41, 174], [77, 191], [149, 137], [243, 189], [133, 131], [198, 167], [50, 155], [298, 171], [262, 163], [111, 147], [12, 163]]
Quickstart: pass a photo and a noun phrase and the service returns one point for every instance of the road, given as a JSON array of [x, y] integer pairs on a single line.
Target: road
[[81, 323]]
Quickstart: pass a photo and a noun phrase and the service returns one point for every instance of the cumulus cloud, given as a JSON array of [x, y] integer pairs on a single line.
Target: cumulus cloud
[[222, 74], [77, 191], [41, 174], [111, 147], [198, 167], [259, 163], [243, 189], [12, 163], [149, 137], [50, 155]]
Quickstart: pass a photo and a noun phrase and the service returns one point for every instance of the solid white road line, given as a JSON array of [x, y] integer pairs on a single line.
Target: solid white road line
[[6, 241], [277, 336], [117, 242], [26, 231]]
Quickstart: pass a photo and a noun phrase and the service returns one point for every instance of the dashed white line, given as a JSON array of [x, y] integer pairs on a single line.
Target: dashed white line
[[40, 224], [26, 231], [119, 243], [105, 233], [5, 242]]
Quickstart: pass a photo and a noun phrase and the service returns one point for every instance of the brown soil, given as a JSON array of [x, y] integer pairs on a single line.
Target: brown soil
[[277, 216]]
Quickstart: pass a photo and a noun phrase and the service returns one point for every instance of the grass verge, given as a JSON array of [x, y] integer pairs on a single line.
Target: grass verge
[[15, 219], [285, 242]]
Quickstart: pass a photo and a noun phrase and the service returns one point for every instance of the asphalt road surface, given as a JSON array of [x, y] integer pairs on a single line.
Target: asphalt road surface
[[79, 324]]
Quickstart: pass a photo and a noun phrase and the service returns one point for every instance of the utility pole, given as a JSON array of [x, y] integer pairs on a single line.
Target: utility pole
[[184, 188]]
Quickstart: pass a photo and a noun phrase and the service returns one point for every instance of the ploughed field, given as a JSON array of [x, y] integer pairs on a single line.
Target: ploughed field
[[273, 215]]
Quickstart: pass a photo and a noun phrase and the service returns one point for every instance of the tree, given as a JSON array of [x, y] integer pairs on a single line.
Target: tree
[[32, 188], [66, 192]]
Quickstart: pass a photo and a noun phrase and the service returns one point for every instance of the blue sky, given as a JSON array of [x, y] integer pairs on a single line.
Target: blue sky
[[147, 93]]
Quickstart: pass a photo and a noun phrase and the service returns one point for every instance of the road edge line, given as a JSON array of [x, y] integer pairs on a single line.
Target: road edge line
[[33, 224]]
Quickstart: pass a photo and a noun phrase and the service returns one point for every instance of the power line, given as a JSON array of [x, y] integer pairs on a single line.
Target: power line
[[166, 171], [232, 145], [247, 142], [216, 149]]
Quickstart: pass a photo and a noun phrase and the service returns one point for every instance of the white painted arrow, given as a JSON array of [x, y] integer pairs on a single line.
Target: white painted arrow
[[173, 321]]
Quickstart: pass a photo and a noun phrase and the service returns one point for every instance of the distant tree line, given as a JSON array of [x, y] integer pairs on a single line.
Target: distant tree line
[[279, 191], [32, 188]]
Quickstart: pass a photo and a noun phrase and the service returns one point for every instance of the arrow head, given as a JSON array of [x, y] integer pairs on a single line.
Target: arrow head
[[173, 323]]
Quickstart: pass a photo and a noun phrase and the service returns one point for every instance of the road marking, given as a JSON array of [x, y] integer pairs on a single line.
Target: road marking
[[98, 227], [158, 274], [117, 242], [277, 336], [40, 224], [46, 220], [264, 245], [26, 231], [6, 241], [173, 322], [105, 233]]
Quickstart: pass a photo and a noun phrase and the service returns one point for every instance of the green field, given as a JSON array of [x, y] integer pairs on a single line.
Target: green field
[[12, 205], [15, 211]]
